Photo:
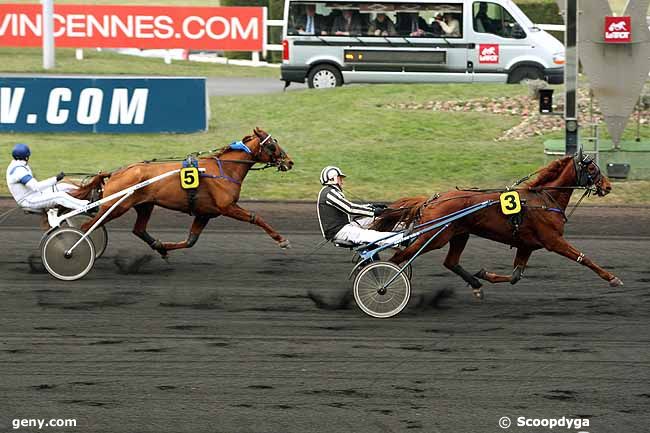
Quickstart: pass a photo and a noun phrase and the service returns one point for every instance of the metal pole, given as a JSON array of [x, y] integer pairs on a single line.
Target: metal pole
[[638, 120], [571, 78], [48, 34]]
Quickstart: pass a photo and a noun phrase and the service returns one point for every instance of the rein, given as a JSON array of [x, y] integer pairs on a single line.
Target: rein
[[543, 189]]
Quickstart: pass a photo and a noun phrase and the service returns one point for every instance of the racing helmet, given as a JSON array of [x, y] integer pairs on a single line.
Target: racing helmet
[[329, 173], [21, 151]]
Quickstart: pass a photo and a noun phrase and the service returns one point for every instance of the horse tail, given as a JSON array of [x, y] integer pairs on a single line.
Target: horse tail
[[89, 187], [402, 212]]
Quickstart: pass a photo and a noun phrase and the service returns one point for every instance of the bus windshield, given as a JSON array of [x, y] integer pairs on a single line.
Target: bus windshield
[[375, 19]]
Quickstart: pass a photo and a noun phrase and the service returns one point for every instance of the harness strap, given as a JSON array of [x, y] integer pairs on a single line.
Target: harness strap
[[221, 175], [191, 199], [585, 194]]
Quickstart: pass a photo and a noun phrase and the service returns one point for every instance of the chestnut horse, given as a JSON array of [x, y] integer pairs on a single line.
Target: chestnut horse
[[544, 201], [217, 193]]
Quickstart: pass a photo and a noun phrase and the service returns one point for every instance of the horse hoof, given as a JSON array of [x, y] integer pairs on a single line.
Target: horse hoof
[[482, 274], [615, 282], [285, 244], [478, 294]]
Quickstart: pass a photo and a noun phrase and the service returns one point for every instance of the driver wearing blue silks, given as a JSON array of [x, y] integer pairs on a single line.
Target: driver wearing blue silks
[[32, 194], [342, 220]]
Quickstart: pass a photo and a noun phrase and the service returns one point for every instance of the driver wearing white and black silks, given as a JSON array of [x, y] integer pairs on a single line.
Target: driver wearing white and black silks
[[342, 220], [32, 194]]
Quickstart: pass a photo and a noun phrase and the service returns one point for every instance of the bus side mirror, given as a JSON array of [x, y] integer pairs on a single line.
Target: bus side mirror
[[518, 32]]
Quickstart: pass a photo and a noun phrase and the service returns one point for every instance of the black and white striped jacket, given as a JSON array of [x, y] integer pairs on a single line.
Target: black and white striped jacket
[[335, 211]]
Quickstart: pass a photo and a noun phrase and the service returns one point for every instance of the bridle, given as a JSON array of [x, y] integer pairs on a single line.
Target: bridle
[[269, 147], [584, 178]]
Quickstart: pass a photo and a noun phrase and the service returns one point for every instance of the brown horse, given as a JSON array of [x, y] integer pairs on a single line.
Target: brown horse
[[217, 193], [540, 225]]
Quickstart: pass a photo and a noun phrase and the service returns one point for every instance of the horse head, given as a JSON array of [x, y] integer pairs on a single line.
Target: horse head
[[579, 171], [589, 175], [268, 151]]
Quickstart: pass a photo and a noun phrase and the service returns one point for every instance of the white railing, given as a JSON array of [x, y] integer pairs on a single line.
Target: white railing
[[274, 23], [552, 27], [562, 27]]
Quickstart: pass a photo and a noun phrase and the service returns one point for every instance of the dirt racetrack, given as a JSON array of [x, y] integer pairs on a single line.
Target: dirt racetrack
[[224, 338]]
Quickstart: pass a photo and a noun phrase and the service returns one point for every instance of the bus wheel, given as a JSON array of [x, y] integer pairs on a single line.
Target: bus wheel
[[525, 73], [324, 77]]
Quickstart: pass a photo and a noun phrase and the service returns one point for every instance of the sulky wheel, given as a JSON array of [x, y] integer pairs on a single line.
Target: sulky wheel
[[357, 258], [99, 236], [62, 263], [373, 297]]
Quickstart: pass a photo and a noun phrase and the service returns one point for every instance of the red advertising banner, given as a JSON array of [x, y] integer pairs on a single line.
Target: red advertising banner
[[618, 30], [146, 27]]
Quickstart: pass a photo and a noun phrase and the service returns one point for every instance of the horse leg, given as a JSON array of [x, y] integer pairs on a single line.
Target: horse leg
[[560, 246], [144, 211], [241, 214], [197, 227], [456, 246], [452, 262], [521, 259]]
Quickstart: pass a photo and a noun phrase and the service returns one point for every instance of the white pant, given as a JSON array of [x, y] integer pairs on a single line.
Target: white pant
[[356, 233], [53, 196]]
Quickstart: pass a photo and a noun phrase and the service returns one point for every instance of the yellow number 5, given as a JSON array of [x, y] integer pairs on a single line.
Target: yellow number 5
[[189, 177]]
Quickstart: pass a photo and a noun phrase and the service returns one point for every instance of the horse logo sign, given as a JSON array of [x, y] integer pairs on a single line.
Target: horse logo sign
[[488, 53], [618, 30]]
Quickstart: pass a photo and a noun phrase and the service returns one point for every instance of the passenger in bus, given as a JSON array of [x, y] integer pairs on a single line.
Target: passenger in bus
[[382, 26], [411, 24], [311, 23], [449, 24], [348, 23]]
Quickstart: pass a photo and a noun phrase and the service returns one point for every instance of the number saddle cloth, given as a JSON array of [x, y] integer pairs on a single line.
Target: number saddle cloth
[[191, 162]]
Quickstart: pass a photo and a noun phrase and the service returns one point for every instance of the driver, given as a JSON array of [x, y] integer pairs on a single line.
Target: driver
[[32, 194], [342, 220]]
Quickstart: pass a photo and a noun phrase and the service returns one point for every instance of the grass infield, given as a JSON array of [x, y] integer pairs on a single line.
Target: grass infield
[[386, 152]]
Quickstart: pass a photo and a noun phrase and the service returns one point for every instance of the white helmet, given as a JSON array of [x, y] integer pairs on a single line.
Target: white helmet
[[329, 173]]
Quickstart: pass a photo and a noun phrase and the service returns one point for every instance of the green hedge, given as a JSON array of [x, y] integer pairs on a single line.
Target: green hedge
[[543, 12]]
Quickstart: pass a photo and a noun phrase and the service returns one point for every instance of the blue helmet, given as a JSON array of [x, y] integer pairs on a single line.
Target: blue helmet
[[21, 151]]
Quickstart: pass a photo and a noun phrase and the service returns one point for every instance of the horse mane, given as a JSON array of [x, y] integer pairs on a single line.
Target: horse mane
[[226, 148], [549, 173], [403, 211], [85, 190]]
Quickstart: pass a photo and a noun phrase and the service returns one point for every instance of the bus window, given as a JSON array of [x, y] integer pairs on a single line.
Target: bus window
[[493, 18], [308, 19], [376, 19]]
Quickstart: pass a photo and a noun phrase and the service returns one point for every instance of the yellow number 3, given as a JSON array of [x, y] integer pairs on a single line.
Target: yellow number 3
[[189, 177], [510, 203]]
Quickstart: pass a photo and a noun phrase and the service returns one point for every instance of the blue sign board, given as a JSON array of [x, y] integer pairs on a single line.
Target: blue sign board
[[103, 105]]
